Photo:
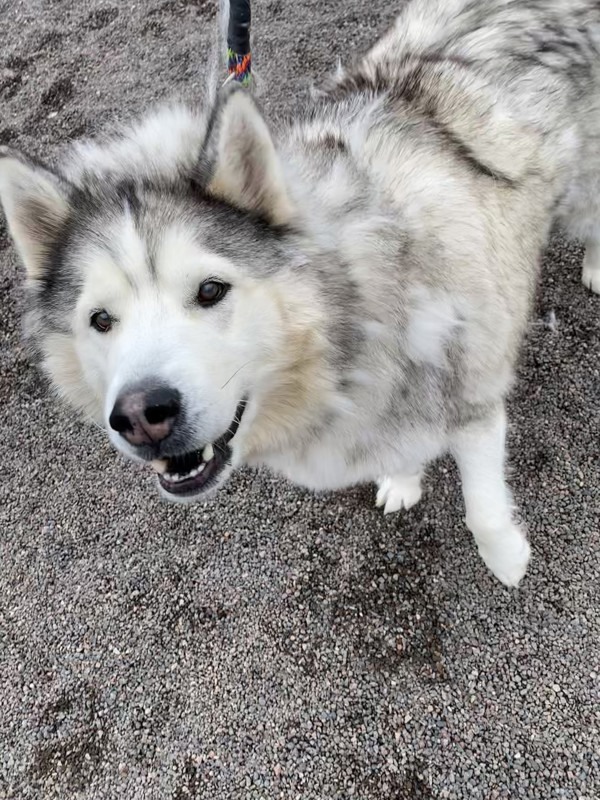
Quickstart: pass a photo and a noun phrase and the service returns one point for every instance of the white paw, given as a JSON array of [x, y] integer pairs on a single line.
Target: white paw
[[590, 275], [506, 554], [591, 279], [398, 492]]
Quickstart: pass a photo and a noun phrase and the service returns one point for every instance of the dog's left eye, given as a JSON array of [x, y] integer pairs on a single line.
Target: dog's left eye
[[210, 292], [101, 321]]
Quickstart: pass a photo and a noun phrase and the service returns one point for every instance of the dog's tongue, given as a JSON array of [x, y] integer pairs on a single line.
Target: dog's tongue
[[159, 464]]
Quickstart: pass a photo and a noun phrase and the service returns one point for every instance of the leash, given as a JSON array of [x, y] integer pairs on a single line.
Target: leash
[[239, 57]]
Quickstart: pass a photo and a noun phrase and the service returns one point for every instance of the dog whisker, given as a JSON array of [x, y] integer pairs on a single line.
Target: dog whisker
[[239, 369]]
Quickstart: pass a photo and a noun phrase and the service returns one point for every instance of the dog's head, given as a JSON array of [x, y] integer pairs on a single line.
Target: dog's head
[[167, 296]]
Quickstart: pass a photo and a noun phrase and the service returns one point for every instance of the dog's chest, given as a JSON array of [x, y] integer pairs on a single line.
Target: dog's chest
[[335, 461], [321, 466]]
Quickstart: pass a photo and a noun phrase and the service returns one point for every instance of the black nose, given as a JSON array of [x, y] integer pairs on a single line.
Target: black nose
[[146, 415]]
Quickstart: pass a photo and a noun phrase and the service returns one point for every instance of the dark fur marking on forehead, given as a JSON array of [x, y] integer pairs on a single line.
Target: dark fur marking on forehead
[[226, 230], [127, 193], [131, 193], [244, 219], [329, 140], [127, 196], [96, 197], [334, 142], [151, 260]]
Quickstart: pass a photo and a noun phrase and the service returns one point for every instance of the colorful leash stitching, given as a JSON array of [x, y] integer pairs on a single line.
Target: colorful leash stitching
[[239, 57], [239, 67]]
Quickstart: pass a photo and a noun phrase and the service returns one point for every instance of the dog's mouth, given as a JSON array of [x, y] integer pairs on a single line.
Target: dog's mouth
[[195, 472]]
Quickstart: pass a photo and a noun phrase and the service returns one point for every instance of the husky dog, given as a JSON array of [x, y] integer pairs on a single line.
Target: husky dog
[[342, 301]]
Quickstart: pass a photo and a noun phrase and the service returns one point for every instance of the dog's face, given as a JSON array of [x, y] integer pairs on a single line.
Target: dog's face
[[175, 313]]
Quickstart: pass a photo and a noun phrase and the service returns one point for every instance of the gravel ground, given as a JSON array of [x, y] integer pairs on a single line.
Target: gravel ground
[[273, 643]]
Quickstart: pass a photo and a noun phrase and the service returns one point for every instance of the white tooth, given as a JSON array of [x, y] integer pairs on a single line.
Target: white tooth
[[201, 467], [208, 452], [160, 465], [193, 473]]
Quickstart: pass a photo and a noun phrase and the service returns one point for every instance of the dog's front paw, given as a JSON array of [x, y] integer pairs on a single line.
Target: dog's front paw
[[506, 555], [590, 274], [399, 491], [590, 277]]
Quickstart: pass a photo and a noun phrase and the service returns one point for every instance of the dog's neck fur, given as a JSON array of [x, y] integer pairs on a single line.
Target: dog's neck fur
[[348, 227]]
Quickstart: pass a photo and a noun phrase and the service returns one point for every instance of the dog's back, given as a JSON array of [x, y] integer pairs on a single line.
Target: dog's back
[[522, 73], [555, 32]]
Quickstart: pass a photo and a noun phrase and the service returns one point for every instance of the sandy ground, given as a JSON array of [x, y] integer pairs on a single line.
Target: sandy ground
[[274, 644]]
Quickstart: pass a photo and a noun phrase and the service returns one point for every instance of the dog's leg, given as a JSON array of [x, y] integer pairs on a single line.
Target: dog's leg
[[479, 450], [590, 274], [399, 491]]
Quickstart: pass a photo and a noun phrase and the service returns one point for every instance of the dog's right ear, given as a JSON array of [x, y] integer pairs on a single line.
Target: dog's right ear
[[36, 205], [240, 163]]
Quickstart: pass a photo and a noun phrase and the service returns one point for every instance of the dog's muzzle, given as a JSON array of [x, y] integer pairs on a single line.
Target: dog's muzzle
[[195, 472]]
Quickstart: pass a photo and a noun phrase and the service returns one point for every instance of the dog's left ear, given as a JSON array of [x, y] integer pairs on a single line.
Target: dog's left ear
[[36, 204], [239, 163]]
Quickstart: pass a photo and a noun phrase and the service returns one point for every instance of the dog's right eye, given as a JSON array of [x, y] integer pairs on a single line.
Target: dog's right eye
[[210, 292], [101, 321]]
